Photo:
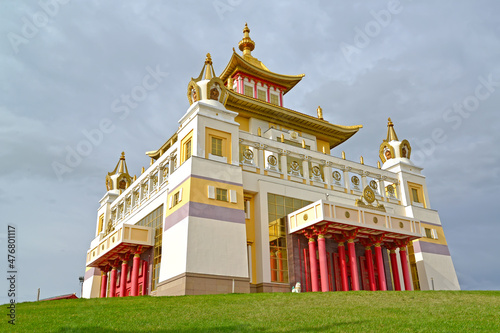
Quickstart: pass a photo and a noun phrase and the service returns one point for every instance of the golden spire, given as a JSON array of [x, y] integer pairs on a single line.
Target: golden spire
[[208, 67], [391, 133], [246, 44], [207, 72], [122, 165]]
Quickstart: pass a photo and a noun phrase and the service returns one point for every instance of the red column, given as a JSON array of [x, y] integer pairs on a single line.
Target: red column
[[404, 266], [323, 263], [104, 283], [313, 264], [343, 268], [395, 272], [123, 279], [369, 266], [135, 275], [112, 283], [353, 264], [380, 267]]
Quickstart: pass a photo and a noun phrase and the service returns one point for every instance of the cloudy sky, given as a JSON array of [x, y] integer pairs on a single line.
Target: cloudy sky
[[68, 69]]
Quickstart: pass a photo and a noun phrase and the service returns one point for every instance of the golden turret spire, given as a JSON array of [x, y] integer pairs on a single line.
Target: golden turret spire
[[391, 133], [121, 167], [246, 44], [209, 71]]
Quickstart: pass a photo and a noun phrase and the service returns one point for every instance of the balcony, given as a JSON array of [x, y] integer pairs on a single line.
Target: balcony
[[119, 242], [334, 218]]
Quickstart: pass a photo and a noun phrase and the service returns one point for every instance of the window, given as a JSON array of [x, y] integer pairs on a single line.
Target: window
[[216, 146], [414, 193], [187, 151], [155, 221], [221, 194], [278, 209], [101, 223], [175, 199], [247, 208], [261, 94], [428, 233], [186, 147], [248, 91], [274, 99]]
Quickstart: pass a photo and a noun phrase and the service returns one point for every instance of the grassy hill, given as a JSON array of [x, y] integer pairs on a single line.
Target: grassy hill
[[440, 311]]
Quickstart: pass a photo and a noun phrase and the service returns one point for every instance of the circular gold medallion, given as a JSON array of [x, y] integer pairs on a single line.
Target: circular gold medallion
[[369, 195], [375, 220], [347, 214], [305, 217]]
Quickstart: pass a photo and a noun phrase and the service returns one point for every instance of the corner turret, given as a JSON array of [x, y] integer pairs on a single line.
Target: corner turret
[[392, 150], [119, 179], [207, 86]]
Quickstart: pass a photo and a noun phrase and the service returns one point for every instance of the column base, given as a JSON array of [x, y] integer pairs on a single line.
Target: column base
[[202, 284]]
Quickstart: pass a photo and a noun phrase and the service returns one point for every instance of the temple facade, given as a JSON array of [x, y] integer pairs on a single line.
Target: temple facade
[[247, 196]]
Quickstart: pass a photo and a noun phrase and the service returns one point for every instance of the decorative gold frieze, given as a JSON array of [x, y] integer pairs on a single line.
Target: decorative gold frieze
[[369, 197]]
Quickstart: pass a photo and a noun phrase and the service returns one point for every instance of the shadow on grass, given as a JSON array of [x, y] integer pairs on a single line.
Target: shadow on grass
[[228, 328]]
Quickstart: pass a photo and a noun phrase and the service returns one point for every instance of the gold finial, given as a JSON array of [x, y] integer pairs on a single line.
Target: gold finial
[[259, 132], [123, 156], [378, 164], [208, 60], [282, 137], [142, 170], [320, 112], [209, 71], [152, 161], [343, 155], [246, 44], [361, 160], [391, 133], [303, 143], [135, 178]]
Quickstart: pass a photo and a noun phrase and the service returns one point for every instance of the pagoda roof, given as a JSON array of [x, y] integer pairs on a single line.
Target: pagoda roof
[[322, 129], [252, 66]]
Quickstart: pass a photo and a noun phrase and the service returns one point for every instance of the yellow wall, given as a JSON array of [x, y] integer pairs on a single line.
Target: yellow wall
[[323, 145], [199, 193], [185, 196], [440, 233], [244, 124], [196, 190]]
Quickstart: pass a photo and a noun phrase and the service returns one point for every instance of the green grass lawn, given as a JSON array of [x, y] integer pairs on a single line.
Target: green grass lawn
[[429, 311]]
